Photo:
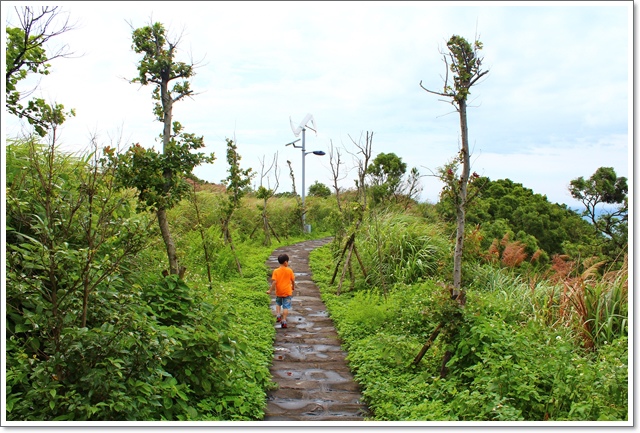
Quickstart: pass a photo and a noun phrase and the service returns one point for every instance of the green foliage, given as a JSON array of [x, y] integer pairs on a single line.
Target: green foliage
[[77, 333], [203, 352], [94, 331], [450, 193], [503, 207], [465, 65], [509, 363], [385, 172], [319, 190], [159, 178], [604, 187], [608, 309], [159, 67], [238, 180], [322, 214], [111, 372], [26, 54]]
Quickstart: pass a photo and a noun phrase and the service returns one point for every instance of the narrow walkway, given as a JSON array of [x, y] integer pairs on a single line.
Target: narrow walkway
[[309, 366]]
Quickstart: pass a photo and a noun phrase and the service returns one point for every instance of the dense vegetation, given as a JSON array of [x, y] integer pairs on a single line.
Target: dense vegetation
[[96, 331], [524, 348]]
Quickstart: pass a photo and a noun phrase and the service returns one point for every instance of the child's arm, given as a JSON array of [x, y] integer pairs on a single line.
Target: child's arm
[[272, 288]]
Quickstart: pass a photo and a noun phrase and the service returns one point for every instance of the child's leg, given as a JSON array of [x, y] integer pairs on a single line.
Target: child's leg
[[286, 305]]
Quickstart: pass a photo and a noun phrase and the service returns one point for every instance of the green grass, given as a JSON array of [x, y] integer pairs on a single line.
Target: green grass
[[509, 363]]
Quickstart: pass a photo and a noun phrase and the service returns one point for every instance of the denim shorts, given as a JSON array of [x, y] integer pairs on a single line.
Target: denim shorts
[[284, 302]]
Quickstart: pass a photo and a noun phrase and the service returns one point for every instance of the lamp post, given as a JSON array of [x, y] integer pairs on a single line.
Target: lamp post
[[296, 131]]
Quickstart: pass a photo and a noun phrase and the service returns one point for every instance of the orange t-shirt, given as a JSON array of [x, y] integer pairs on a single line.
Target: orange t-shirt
[[284, 278]]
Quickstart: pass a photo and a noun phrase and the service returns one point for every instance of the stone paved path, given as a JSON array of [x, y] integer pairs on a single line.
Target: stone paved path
[[309, 366]]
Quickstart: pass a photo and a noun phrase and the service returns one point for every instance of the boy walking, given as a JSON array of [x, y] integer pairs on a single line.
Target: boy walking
[[283, 285]]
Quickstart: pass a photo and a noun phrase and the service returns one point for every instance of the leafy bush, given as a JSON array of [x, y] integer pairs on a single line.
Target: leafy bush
[[94, 330]]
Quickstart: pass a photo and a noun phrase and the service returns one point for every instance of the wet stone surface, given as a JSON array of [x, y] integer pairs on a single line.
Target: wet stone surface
[[309, 365]]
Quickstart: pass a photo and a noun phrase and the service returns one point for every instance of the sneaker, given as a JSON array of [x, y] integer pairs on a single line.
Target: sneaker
[[278, 319], [284, 324]]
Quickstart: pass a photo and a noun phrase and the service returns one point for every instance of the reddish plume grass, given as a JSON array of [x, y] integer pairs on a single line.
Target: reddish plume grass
[[514, 254]]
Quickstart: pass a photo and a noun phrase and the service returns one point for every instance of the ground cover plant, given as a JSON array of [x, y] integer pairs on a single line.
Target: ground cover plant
[[518, 354]]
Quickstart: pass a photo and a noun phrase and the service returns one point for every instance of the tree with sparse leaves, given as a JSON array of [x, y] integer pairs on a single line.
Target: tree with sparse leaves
[[26, 53], [463, 61], [237, 184], [160, 177]]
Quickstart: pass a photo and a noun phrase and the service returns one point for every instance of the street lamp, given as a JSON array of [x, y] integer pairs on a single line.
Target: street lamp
[[302, 128]]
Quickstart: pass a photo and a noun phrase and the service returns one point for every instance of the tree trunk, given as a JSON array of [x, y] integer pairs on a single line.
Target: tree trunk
[[462, 199], [428, 344], [443, 368], [227, 239], [265, 228], [273, 232], [346, 266], [202, 236], [167, 108], [235, 256], [344, 250], [364, 271], [168, 241]]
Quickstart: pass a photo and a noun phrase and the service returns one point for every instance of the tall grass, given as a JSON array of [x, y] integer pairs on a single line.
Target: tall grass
[[594, 305], [401, 248]]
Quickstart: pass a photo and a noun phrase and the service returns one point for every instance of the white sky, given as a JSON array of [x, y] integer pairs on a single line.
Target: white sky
[[556, 104]]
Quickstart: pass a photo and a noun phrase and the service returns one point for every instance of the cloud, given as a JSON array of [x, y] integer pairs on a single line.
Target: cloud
[[555, 104]]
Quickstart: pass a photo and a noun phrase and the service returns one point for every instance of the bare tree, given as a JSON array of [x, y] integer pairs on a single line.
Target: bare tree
[[265, 193], [335, 162], [350, 245], [410, 189], [363, 163]]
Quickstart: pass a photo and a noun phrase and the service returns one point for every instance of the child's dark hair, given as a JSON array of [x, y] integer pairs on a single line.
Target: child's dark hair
[[283, 258]]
